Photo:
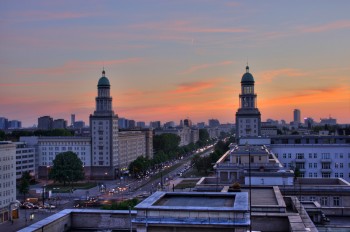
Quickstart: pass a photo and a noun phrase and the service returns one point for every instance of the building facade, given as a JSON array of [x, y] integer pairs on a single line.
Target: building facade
[[132, 144], [248, 117], [25, 159], [48, 147], [104, 134], [45, 123], [7, 180], [314, 156]]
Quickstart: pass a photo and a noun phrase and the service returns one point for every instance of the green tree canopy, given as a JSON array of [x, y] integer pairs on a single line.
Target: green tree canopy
[[67, 167], [23, 186], [139, 166], [2, 135], [166, 142]]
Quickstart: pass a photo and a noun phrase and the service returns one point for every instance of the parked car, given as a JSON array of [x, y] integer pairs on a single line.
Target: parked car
[[27, 205], [49, 206]]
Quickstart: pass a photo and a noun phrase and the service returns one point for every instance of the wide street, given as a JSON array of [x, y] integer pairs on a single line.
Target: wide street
[[125, 188]]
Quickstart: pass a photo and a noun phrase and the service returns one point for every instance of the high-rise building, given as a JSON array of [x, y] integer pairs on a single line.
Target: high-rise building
[[201, 125], [104, 133], [188, 122], [296, 115], [248, 117], [45, 123], [213, 122], [170, 124], [155, 124], [59, 124], [141, 125], [72, 120], [3, 123], [132, 124], [79, 124], [123, 123], [15, 124]]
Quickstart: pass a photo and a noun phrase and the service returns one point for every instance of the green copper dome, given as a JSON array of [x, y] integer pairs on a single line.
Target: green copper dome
[[103, 80], [247, 77]]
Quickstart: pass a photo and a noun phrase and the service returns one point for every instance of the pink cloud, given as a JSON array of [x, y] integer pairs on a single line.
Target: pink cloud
[[204, 66], [74, 66], [45, 15], [185, 26], [328, 26], [24, 84]]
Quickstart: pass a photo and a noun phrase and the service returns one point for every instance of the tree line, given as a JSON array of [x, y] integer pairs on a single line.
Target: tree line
[[166, 147], [204, 164]]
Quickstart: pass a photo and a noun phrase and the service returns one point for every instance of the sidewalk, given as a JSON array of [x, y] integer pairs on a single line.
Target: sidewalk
[[21, 221]]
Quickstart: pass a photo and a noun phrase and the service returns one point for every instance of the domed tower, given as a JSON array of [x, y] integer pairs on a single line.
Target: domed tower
[[103, 99], [104, 134], [248, 117]]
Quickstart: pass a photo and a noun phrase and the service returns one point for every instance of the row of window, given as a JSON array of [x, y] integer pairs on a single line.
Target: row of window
[[76, 148], [313, 156], [65, 143], [325, 201], [315, 165]]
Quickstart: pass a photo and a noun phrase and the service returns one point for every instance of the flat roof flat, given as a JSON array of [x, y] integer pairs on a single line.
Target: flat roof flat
[[196, 201], [262, 196]]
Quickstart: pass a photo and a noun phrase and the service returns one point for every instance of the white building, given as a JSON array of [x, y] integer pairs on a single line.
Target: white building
[[315, 156], [132, 144], [25, 159], [7, 180], [248, 117], [255, 163], [48, 147]]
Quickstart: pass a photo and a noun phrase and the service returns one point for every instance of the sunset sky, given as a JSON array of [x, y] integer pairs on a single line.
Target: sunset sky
[[170, 60]]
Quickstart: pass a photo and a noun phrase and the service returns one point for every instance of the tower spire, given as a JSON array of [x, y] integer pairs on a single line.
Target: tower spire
[[103, 71]]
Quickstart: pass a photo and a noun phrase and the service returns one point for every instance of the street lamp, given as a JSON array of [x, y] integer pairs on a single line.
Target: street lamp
[[250, 188], [31, 217]]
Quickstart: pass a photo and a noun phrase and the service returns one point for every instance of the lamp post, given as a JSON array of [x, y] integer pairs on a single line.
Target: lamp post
[[44, 196], [250, 187], [250, 193]]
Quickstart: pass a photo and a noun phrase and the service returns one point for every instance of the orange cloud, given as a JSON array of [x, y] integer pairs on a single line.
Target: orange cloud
[[311, 96], [269, 75], [193, 86], [327, 27], [204, 66]]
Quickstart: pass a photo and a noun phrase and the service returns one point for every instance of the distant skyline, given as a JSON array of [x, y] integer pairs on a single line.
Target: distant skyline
[[171, 60]]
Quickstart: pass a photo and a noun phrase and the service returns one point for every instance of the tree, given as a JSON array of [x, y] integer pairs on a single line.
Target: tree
[[67, 167], [204, 136], [23, 187], [139, 166], [166, 142], [2, 135]]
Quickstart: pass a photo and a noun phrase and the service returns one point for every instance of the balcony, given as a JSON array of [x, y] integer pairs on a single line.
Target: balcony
[[326, 170], [327, 160]]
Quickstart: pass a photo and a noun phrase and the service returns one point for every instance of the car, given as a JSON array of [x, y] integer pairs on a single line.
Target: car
[[49, 206], [27, 205]]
